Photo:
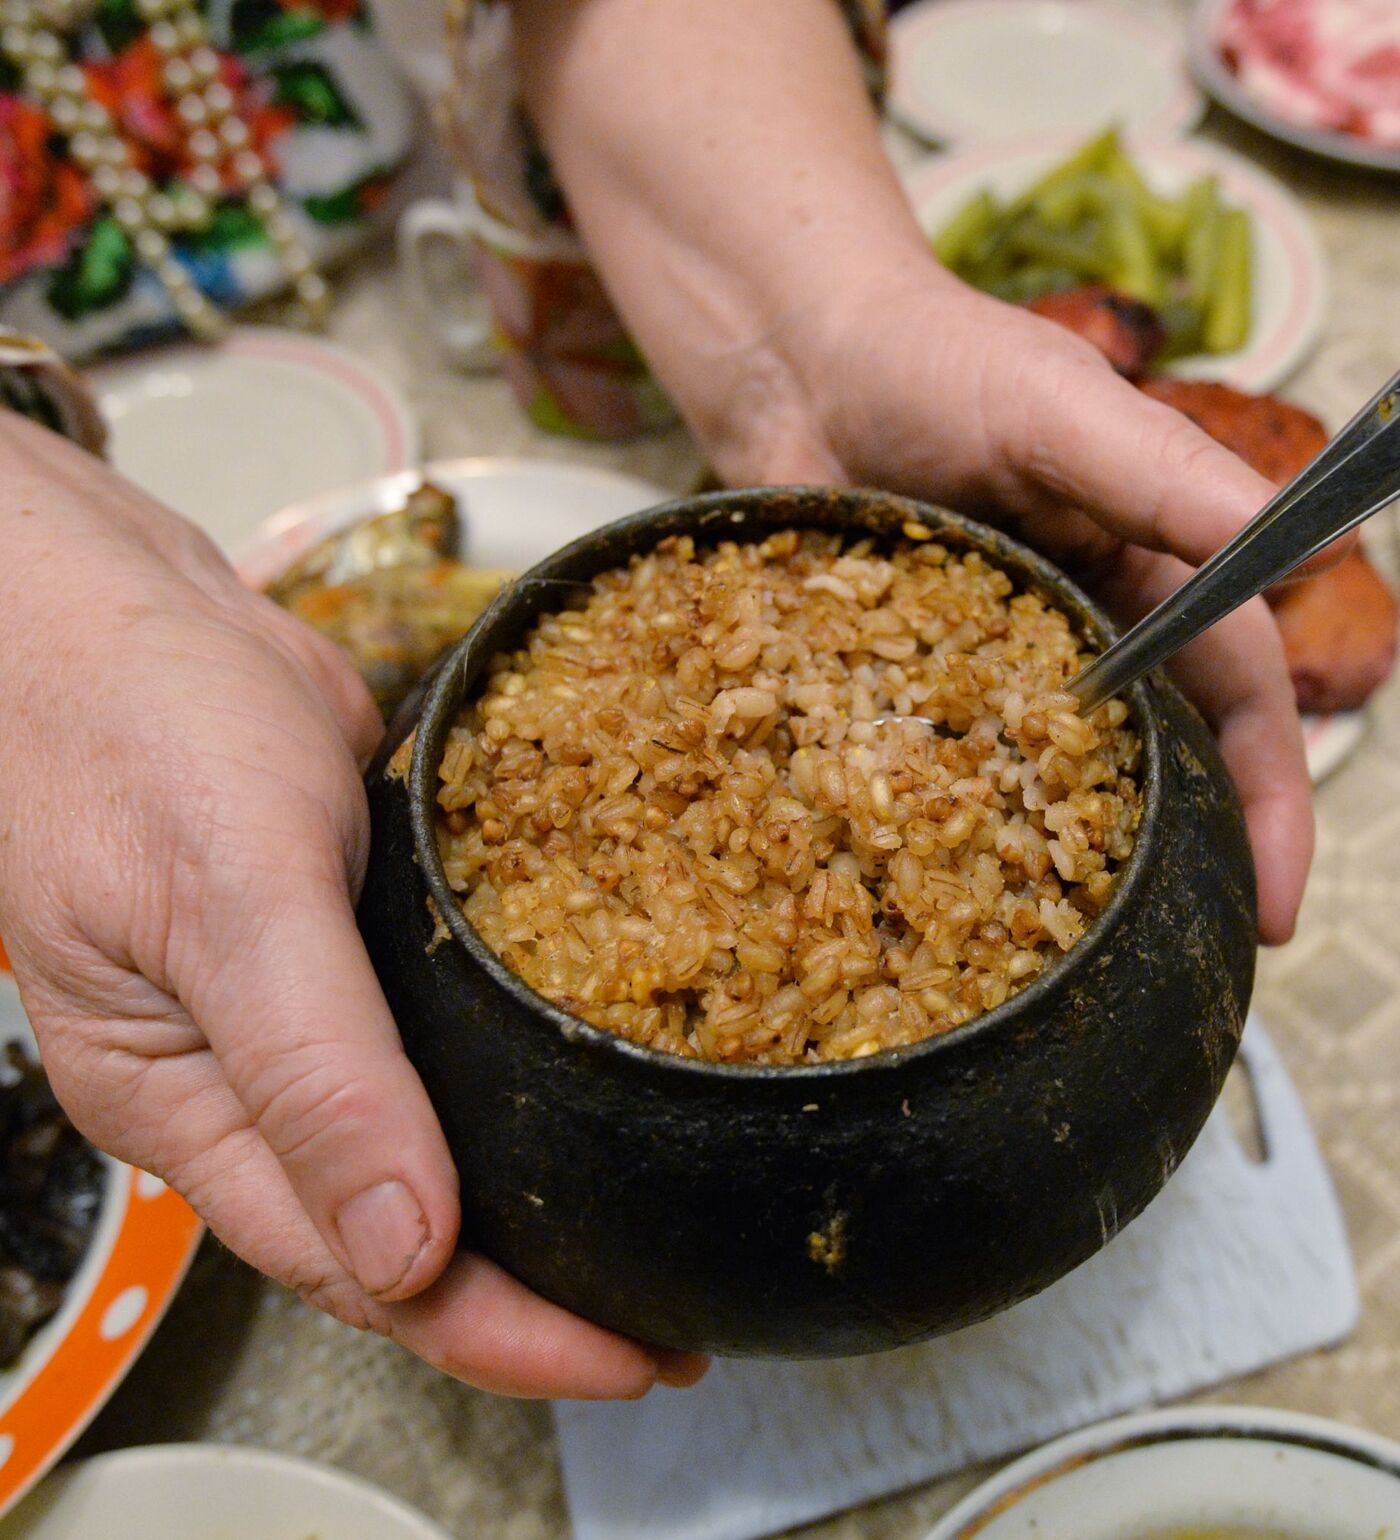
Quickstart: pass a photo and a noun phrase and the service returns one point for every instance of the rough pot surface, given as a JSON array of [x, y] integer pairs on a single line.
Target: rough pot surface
[[845, 1208]]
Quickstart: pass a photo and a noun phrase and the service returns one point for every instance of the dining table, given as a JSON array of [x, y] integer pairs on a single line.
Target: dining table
[[240, 1360]]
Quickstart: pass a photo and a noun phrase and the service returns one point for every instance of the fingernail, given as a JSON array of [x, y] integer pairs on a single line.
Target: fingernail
[[382, 1229], [680, 1370]]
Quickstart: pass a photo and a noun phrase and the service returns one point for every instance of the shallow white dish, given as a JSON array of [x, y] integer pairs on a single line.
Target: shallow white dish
[[1331, 740], [211, 1492], [514, 511], [228, 434], [1221, 83], [963, 71], [1202, 1467], [1290, 272]]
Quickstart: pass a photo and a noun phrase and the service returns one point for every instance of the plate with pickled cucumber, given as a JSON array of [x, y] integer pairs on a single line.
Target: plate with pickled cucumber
[[1220, 252]]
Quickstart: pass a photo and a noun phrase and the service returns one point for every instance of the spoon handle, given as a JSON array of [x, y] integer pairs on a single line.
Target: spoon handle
[[1357, 475]]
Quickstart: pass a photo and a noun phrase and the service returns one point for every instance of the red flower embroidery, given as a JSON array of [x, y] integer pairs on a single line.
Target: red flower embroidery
[[327, 10], [130, 86], [44, 201]]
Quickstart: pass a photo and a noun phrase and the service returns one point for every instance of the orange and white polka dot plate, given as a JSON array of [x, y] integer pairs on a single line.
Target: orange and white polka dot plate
[[145, 1239]]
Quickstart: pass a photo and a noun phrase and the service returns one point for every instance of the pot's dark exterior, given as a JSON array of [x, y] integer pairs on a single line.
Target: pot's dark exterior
[[839, 1209]]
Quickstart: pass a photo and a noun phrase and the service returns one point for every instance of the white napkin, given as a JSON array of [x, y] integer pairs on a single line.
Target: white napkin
[[1236, 1265]]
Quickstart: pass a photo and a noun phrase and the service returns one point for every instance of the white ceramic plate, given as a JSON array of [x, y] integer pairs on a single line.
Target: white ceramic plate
[[211, 1492], [1199, 1468], [229, 434], [966, 71], [1210, 69], [515, 511], [1331, 740], [1290, 273]]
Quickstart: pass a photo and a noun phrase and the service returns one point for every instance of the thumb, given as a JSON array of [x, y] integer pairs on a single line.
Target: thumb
[[293, 1011], [1141, 469]]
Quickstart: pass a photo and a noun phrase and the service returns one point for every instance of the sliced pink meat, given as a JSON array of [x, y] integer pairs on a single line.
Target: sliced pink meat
[[1327, 64]]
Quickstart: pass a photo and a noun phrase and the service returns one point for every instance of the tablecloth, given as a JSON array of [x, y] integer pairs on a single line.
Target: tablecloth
[[238, 1359]]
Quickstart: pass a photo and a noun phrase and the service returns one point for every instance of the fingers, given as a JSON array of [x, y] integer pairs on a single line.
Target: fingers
[[1271, 772], [355, 1122], [1238, 676], [148, 1088], [1083, 437], [475, 1323], [290, 1005], [680, 1370], [522, 1345]]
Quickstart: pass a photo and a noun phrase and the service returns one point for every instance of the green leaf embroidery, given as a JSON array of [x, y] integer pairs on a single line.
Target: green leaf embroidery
[[233, 227], [309, 90], [120, 23], [97, 275], [345, 206], [261, 24]]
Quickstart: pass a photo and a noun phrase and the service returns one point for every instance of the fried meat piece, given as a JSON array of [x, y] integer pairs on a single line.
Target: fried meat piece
[[1275, 437], [1127, 332], [1339, 628]]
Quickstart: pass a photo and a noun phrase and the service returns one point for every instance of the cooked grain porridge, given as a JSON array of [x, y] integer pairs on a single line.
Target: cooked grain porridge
[[670, 813]]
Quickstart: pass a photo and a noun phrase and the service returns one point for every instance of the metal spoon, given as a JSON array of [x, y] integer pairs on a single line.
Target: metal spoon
[[1356, 475]]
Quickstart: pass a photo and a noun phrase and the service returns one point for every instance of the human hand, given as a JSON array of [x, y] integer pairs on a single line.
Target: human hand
[[931, 389], [182, 832], [766, 259]]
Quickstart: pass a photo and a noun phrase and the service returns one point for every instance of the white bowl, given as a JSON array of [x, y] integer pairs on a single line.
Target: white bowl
[[1211, 1467], [210, 1492]]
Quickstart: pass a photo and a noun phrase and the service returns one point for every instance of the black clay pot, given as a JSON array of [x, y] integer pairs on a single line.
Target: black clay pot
[[844, 1208]]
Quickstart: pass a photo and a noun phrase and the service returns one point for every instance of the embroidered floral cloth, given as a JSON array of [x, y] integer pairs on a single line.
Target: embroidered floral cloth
[[323, 108]]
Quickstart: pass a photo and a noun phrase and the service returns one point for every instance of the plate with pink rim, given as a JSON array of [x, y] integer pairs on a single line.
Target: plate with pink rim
[[1290, 291], [513, 510], [229, 434], [970, 71]]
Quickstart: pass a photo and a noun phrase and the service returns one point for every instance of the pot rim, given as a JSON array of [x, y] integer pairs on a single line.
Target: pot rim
[[705, 513]]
